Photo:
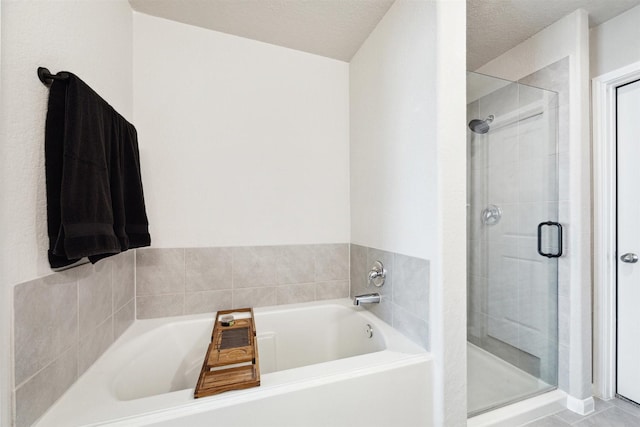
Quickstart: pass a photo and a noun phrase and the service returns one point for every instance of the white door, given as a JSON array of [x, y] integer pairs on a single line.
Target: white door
[[628, 109]]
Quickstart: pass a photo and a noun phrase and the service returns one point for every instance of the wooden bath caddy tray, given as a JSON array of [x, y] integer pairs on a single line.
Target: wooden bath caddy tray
[[231, 362]]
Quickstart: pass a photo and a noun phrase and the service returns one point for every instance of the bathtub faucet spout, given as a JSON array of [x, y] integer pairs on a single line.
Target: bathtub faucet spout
[[366, 299]]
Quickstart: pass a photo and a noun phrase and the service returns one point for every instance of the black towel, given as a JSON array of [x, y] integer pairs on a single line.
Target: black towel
[[95, 203]]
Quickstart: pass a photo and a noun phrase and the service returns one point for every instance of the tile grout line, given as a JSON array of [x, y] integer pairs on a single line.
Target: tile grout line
[[591, 415], [627, 410], [32, 376]]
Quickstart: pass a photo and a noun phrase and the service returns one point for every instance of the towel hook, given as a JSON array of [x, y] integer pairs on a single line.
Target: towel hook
[[47, 78]]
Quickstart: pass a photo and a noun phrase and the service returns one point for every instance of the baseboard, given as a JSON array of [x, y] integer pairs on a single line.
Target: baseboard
[[581, 406], [522, 412]]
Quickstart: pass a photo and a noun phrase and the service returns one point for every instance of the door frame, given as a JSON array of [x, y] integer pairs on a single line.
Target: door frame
[[604, 226]]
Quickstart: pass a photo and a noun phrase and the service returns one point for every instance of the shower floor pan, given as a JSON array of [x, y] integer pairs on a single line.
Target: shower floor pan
[[492, 382]]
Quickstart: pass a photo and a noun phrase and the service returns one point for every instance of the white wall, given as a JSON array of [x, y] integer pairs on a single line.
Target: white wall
[[448, 315], [408, 167], [393, 144], [615, 43], [5, 304], [242, 142], [615, 59], [91, 39], [568, 37]]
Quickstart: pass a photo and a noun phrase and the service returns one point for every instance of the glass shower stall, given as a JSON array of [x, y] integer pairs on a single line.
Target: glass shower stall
[[514, 241]]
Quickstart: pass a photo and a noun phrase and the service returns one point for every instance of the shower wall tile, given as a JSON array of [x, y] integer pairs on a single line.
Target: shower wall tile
[[62, 323], [124, 318], [412, 289], [208, 269], [254, 297], [94, 344], [35, 396], [503, 183], [160, 271], [295, 264], [413, 327], [151, 306], [499, 102], [95, 295], [504, 151], [554, 77], [293, 294], [332, 262], [477, 294], [358, 269], [405, 294], [200, 280], [384, 311], [207, 301], [332, 290], [254, 266], [476, 327], [475, 265], [45, 322], [123, 279]]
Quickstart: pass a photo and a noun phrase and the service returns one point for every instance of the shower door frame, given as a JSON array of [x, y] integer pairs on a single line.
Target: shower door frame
[[605, 223], [523, 112]]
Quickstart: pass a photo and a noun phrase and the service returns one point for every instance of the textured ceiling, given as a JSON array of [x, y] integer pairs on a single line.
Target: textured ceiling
[[495, 26], [332, 28], [337, 28]]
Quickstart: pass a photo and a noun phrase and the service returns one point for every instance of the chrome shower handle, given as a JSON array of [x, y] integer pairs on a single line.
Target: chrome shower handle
[[373, 274], [377, 274], [629, 257]]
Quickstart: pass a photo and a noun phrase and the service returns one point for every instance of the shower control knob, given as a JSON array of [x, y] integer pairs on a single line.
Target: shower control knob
[[629, 257], [377, 274]]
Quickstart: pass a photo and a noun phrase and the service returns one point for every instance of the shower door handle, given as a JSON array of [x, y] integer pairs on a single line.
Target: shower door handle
[[559, 228]]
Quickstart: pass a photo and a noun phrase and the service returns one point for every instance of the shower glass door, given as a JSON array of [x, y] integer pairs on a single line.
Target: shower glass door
[[513, 241]]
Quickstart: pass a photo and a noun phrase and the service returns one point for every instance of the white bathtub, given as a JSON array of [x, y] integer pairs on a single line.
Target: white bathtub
[[318, 368]]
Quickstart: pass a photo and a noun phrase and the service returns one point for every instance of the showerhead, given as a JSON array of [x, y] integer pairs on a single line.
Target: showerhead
[[481, 126]]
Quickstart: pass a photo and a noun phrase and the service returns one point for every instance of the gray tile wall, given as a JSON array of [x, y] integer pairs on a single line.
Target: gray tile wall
[[65, 321], [405, 294], [197, 280], [62, 324]]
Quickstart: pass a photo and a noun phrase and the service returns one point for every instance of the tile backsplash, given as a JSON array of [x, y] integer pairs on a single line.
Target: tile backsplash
[[405, 293], [65, 321], [62, 323], [199, 280]]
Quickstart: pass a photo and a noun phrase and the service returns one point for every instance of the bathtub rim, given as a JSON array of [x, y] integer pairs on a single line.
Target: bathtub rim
[[248, 395], [400, 351]]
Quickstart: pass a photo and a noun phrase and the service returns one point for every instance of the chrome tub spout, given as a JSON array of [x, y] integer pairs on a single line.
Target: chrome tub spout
[[366, 299]]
